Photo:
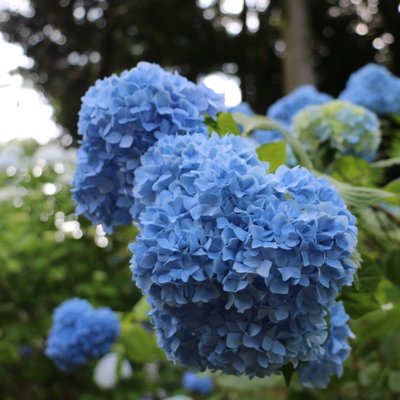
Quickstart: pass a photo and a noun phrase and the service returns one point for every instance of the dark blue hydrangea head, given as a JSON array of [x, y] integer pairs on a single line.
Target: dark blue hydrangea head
[[336, 351], [239, 265], [79, 333], [287, 107], [120, 118], [197, 383], [374, 87]]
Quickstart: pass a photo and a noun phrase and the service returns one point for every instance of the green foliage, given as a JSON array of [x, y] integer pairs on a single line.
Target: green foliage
[[356, 171], [263, 123], [139, 343], [273, 153], [359, 196], [224, 124], [360, 299], [49, 255]]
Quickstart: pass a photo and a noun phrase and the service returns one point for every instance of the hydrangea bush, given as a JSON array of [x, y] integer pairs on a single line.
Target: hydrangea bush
[[246, 270]]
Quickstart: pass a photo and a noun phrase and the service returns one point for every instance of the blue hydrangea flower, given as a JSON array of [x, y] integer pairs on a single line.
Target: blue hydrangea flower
[[339, 126], [80, 332], [288, 106], [336, 351], [239, 265], [120, 118], [261, 137], [177, 157], [100, 188], [196, 383], [374, 87]]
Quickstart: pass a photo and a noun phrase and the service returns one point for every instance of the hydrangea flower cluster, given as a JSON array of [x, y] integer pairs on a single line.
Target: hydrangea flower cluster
[[195, 383], [342, 127], [374, 87], [79, 333], [336, 351], [120, 118], [239, 265], [288, 106]]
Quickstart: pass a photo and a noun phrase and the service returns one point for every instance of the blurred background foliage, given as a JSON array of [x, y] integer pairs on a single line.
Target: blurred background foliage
[[270, 46], [47, 254]]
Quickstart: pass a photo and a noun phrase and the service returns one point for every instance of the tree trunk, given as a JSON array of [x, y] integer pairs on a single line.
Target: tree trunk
[[297, 64]]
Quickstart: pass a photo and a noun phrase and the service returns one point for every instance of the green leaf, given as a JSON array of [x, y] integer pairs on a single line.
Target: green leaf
[[369, 374], [140, 310], [358, 304], [390, 263], [394, 381], [369, 275], [139, 344], [393, 186], [224, 124], [389, 162], [210, 123], [274, 153], [359, 196], [356, 171], [287, 372], [376, 324], [360, 299], [395, 118], [260, 122]]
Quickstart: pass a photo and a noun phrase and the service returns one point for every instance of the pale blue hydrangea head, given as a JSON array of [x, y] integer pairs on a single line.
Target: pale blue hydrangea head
[[197, 383], [288, 106], [336, 351], [374, 87], [79, 333], [340, 128], [120, 118], [238, 265]]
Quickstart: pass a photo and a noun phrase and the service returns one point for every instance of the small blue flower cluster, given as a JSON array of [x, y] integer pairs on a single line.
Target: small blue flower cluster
[[375, 88], [287, 107], [343, 127], [195, 383], [336, 351], [80, 332], [120, 118], [239, 265]]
